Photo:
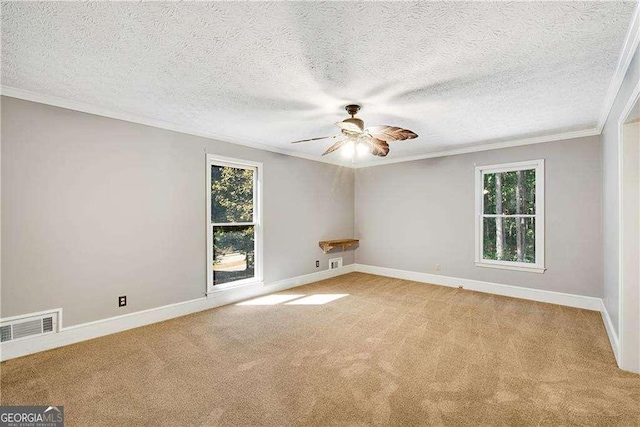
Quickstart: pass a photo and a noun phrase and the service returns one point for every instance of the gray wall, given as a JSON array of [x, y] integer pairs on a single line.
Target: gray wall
[[94, 208], [610, 188], [413, 215]]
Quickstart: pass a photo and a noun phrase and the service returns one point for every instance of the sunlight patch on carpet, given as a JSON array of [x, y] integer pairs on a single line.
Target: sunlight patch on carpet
[[270, 300], [317, 299]]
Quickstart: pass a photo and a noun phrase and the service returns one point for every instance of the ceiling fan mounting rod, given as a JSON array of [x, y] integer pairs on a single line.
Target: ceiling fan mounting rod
[[352, 109]]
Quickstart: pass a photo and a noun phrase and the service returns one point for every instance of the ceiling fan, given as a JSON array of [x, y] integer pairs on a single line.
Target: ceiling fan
[[373, 139]]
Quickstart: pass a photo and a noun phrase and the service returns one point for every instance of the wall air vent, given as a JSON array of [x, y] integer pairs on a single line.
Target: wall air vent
[[335, 263], [5, 332], [29, 326]]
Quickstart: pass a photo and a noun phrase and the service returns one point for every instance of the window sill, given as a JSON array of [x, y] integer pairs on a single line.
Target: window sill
[[504, 266], [218, 289]]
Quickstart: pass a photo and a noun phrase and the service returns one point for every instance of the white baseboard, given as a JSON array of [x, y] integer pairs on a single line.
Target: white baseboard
[[611, 332], [570, 300], [86, 331]]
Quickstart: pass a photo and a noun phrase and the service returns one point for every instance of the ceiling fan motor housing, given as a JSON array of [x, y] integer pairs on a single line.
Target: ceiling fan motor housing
[[357, 122]]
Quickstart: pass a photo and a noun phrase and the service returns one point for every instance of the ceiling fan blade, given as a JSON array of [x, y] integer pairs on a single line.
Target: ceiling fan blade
[[379, 148], [336, 146], [391, 133], [314, 139], [349, 127]]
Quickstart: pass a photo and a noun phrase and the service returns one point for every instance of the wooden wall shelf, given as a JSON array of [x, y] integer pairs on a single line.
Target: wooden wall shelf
[[327, 245]]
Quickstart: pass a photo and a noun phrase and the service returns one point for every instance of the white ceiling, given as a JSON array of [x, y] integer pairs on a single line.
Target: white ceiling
[[456, 73]]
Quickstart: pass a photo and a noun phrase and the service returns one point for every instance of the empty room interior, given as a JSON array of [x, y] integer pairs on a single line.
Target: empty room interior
[[320, 213]]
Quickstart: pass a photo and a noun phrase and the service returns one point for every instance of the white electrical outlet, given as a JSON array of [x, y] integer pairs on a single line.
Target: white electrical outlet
[[437, 267]]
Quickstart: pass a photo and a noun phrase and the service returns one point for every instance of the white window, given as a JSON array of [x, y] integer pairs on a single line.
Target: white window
[[510, 216], [234, 228]]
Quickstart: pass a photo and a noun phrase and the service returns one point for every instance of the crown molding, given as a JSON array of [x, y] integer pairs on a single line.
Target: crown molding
[[83, 107], [487, 147], [629, 47], [133, 118]]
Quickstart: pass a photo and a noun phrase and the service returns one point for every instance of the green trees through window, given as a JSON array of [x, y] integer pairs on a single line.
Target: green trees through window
[[233, 223], [231, 194], [509, 216]]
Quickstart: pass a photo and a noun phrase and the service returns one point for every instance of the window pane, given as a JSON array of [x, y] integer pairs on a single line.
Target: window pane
[[529, 186], [509, 239], [489, 191], [510, 193], [231, 194], [233, 253]]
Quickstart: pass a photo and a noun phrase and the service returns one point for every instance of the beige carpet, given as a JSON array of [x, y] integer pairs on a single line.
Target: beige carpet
[[392, 352]]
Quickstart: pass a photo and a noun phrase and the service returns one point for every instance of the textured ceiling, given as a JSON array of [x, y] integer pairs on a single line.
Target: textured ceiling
[[456, 73]]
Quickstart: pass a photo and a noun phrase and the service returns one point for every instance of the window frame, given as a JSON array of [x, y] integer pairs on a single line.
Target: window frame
[[480, 172], [257, 167]]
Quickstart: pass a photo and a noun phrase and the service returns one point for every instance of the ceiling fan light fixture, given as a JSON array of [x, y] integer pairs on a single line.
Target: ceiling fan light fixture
[[349, 149], [362, 149]]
